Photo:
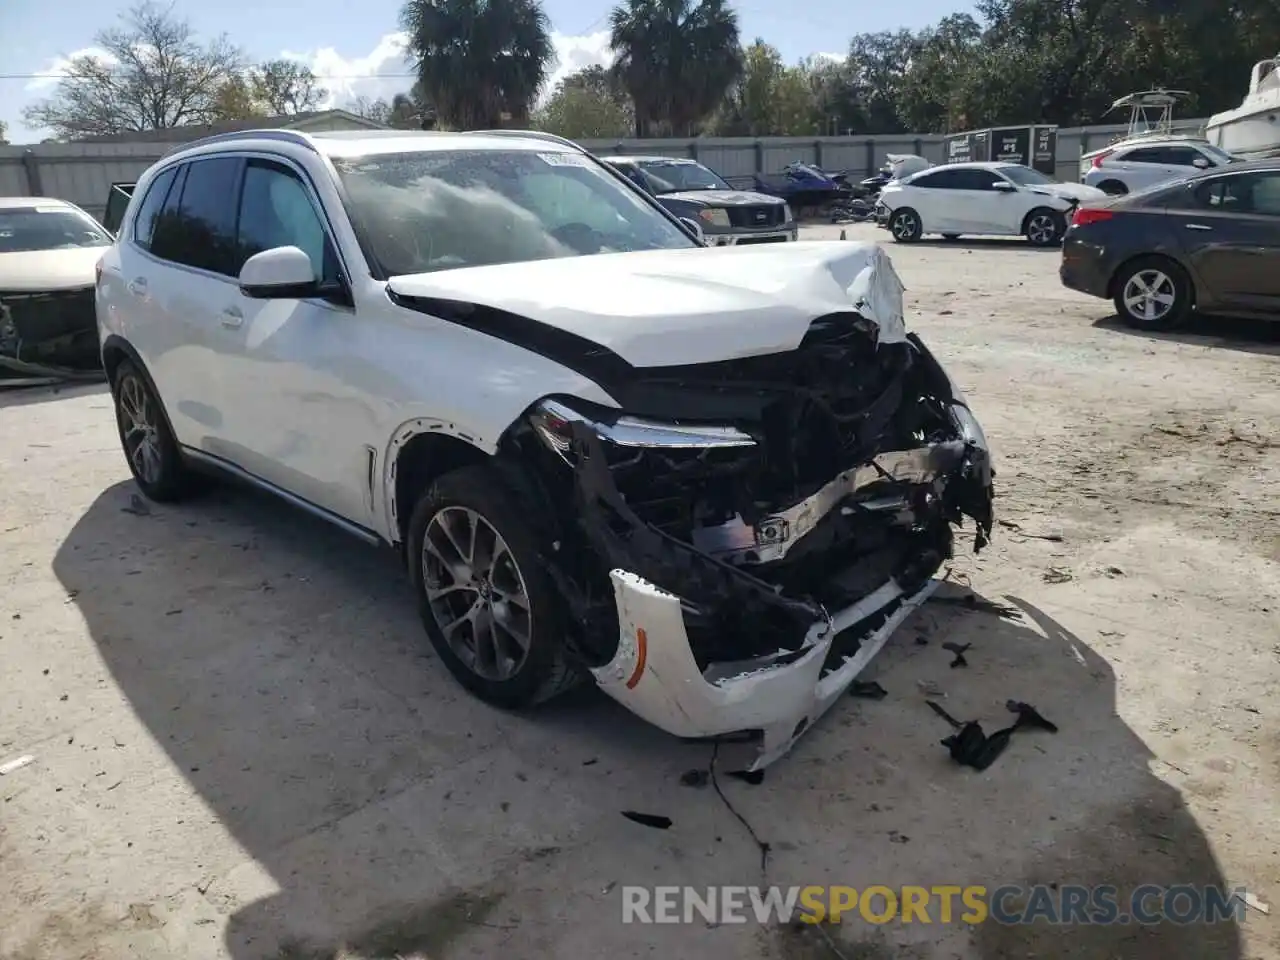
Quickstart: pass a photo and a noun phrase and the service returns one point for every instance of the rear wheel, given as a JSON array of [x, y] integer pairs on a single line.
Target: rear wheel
[[149, 446], [1113, 188], [489, 608], [1152, 293], [905, 225], [1044, 227]]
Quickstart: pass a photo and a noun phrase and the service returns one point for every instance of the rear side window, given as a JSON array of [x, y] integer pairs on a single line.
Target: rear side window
[[166, 236], [204, 231], [942, 180], [1183, 156], [1144, 155], [145, 223]]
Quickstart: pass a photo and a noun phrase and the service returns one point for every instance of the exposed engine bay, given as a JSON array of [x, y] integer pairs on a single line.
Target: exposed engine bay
[[764, 494], [48, 336]]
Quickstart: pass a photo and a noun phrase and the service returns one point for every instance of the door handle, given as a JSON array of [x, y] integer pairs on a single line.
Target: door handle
[[232, 317], [137, 286], [1198, 226]]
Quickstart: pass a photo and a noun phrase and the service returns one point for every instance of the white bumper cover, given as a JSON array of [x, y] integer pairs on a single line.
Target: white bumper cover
[[654, 675]]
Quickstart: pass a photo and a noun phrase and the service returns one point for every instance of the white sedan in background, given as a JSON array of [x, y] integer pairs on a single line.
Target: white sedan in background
[[990, 199]]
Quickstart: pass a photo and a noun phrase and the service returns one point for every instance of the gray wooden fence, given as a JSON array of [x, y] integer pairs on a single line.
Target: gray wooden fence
[[83, 172]]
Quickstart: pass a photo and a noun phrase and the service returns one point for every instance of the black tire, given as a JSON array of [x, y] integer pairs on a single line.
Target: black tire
[[905, 225], [1044, 227], [545, 670], [1161, 276], [147, 439], [1113, 188]]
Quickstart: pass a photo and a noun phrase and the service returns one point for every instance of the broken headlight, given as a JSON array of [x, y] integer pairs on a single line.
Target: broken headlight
[[551, 421]]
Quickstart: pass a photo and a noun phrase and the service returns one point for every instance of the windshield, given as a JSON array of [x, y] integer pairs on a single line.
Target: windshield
[[670, 176], [25, 229], [1219, 155], [439, 210], [1025, 176]]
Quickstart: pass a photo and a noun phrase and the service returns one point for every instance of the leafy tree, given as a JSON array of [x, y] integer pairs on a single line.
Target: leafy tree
[[933, 90], [285, 87], [769, 98], [676, 58], [835, 100], [587, 105], [876, 73], [154, 75], [411, 111], [480, 62], [377, 110]]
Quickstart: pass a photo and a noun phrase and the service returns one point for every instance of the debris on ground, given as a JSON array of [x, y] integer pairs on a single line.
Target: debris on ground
[[867, 690], [753, 777], [1113, 572], [654, 820], [931, 689], [16, 764], [971, 747], [1249, 900], [1057, 575], [137, 506], [958, 649], [972, 601], [695, 778]]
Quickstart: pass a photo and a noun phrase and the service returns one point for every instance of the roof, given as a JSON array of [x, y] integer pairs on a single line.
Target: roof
[[17, 203], [653, 159], [974, 165], [197, 131]]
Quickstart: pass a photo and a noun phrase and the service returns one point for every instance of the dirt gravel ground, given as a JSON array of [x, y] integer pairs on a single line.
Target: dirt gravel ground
[[242, 747]]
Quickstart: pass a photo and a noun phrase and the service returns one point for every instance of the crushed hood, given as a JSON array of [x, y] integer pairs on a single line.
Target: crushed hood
[[697, 305], [40, 271], [1070, 191], [723, 198]]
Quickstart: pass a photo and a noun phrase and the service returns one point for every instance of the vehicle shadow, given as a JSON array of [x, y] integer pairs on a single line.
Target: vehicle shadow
[[1228, 333], [26, 396], [988, 243], [282, 669]]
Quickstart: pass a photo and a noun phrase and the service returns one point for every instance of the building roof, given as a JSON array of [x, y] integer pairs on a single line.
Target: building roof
[[195, 131]]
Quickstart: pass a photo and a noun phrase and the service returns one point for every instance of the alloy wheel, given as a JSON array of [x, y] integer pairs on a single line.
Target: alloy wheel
[[1149, 294], [476, 593], [1042, 230], [904, 226], [140, 427]]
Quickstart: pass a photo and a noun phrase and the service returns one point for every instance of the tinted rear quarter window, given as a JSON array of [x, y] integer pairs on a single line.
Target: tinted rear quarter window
[[144, 225], [205, 228], [941, 180]]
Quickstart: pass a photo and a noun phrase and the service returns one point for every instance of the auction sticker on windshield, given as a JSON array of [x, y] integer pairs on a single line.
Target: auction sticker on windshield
[[564, 159]]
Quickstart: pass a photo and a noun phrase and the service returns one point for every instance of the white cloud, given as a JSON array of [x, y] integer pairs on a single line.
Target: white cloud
[[57, 68], [833, 57], [386, 70]]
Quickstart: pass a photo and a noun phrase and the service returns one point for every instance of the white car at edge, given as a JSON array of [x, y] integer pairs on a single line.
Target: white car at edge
[[985, 199], [713, 481]]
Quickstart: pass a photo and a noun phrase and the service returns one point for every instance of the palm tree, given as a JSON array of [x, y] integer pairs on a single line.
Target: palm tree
[[479, 62], [677, 58]]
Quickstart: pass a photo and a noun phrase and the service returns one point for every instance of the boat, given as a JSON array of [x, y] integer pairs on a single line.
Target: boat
[[1252, 130]]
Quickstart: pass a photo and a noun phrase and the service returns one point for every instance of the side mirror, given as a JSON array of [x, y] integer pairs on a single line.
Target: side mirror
[[281, 273], [1200, 163], [695, 228], [1004, 186]]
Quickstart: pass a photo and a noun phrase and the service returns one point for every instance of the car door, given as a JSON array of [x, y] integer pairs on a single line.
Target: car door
[[934, 197], [1229, 228], [301, 410], [191, 248], [986, 209], [1143, 167]]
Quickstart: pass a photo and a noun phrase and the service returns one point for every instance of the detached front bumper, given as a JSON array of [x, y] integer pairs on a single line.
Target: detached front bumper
[[655, 677]]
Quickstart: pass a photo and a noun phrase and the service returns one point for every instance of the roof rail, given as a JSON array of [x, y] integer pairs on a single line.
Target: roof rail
[[530, 135], [287, 136]]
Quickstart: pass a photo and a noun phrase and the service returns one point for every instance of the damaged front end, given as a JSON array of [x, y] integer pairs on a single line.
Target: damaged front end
[[741, 541], [48, 336]]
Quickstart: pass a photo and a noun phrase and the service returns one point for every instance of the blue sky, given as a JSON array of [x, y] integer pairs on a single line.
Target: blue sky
[[352, 44]]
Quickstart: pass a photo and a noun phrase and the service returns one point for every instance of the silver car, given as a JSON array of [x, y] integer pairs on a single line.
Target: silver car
[[1133, 165]]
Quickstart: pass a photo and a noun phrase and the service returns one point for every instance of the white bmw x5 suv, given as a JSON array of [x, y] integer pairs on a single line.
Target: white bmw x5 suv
[[712, 480]]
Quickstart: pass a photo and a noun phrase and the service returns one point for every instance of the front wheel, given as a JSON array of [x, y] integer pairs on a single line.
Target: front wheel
[[905, 225], [1045, 227], [1153, 294], [488, 605]]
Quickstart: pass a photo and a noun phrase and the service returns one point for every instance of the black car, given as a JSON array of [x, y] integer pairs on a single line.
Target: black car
[[1210, 243]]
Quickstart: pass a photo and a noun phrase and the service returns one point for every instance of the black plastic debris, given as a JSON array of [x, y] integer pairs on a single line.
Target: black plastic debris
[[753, 777], [695, 778], [958, 649], [648, 819], [970, 747], [867, 690]]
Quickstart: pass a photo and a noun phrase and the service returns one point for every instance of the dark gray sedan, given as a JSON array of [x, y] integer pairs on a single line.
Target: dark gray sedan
[[1210, 243], [727, 216]]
